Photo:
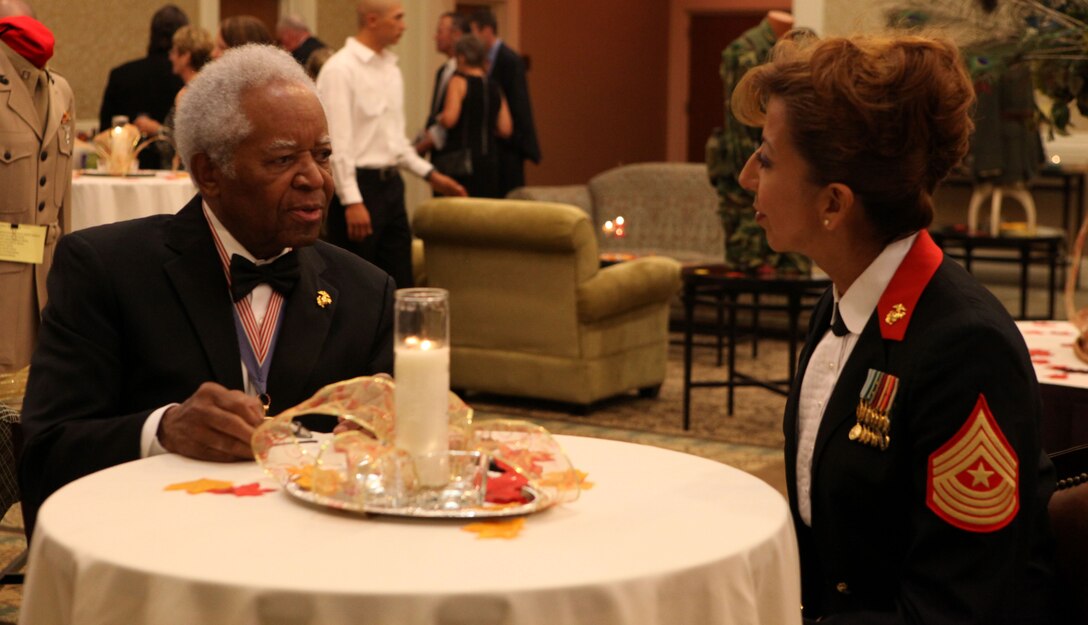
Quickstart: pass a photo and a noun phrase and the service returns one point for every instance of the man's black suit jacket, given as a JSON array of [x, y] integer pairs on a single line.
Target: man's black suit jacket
[[144, 86], [438, 97], [509, 71], [306, 48], [140, 315], [875, 553]]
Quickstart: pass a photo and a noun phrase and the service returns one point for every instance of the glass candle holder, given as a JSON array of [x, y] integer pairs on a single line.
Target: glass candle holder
[[421, 371]]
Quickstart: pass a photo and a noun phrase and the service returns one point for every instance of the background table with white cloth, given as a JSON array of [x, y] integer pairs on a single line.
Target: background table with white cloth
[[661, 538], [98, 199], [1063, 382]]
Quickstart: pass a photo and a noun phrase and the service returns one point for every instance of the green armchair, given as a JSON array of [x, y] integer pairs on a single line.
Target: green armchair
[[532, 314]]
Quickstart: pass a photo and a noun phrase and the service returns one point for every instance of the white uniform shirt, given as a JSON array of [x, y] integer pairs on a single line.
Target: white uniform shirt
[[830, 356], [363, 94]]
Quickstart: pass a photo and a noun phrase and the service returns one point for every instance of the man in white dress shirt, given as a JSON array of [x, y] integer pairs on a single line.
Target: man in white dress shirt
[[363, 93]]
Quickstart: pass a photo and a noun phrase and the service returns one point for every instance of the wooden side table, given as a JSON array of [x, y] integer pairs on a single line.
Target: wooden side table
[[714, 285]]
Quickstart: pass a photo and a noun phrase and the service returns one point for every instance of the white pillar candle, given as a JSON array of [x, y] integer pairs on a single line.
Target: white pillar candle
[[422, 374], [119, 151]]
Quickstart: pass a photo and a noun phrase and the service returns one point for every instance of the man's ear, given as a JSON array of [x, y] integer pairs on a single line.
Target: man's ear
[[839, 203], [206, 175]]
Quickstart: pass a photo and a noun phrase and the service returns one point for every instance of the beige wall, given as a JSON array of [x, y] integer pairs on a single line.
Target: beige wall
[[680, 12], [601, 96], [597, 81], [845, 17], [336, 21], [93, 37]]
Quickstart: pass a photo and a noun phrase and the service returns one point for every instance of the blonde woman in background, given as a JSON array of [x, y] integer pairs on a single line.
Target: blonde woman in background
[[191, 50]]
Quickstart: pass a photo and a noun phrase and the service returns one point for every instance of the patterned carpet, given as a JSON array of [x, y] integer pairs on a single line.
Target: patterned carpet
[[757, 415], [12, 543]]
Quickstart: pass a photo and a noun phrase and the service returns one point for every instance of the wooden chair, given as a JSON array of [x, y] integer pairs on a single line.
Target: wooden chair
[[1069, 522]]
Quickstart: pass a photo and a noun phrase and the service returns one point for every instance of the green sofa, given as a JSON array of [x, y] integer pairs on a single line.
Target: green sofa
[[532, 314]]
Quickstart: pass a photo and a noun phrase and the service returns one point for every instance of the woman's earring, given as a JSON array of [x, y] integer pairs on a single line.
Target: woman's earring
[[827, 223]]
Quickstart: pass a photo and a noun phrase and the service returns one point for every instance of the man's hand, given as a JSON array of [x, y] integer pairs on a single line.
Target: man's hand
[[148, 127], [445, 185], [358, 220], [424, 143], [213, 424]]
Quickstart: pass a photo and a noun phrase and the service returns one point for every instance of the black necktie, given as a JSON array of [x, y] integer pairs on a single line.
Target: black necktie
[[838, 326], [281, 275]]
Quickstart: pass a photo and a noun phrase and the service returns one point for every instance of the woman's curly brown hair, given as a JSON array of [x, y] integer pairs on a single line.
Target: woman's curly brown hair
[[887, 116]]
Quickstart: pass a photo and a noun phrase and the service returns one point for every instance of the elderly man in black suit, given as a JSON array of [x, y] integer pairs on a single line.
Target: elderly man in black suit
[[143, 89], [505, 65], [177, 333]]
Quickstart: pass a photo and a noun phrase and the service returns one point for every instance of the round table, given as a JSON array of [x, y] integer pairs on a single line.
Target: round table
[[662, 537], [1063, 382], [99, 199]]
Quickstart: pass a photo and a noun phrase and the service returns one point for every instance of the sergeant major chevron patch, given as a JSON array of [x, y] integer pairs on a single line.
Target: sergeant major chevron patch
[[972, 479]]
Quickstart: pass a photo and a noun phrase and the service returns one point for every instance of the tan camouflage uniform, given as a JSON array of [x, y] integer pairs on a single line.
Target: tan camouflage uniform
[[728, 150]]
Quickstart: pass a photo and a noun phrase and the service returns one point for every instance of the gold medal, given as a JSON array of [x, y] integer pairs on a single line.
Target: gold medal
[[855, 432]]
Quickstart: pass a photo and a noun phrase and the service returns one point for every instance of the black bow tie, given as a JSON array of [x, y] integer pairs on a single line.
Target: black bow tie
[[281, 275], [838, 326]]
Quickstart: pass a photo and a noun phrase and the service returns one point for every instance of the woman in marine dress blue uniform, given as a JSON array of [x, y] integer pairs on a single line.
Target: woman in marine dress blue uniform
[[917, 482]]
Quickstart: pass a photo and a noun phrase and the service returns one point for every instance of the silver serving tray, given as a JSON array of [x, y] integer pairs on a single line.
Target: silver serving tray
[[538, 501]]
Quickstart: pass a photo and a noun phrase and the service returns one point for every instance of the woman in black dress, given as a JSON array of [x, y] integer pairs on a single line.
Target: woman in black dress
[[475, 112]]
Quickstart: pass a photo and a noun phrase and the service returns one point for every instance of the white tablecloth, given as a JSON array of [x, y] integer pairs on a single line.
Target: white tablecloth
[[662, 538], [1051, 346], [98, 200]]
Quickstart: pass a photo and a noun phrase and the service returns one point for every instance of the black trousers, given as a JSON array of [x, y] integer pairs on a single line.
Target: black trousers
[[390, 245], [511, 168]]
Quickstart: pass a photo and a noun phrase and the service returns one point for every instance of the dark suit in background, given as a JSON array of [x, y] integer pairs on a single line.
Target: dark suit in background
[[306, 48], [509, 71], [140, 316], [438, 96], [144, 86], [876, 553]]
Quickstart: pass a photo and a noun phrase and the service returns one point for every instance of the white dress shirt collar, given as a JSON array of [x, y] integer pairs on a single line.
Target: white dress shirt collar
[[366, 54], [861, 298], [230, 244], [492, 54]]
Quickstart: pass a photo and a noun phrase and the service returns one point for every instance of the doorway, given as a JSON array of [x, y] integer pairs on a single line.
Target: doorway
[[268, 11], [710, 33]]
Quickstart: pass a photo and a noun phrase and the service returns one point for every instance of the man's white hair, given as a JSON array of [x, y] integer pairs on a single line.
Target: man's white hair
[[292, 21], [210, 120]]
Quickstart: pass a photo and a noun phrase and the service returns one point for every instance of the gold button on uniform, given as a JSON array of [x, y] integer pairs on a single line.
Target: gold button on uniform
[[843, 588]]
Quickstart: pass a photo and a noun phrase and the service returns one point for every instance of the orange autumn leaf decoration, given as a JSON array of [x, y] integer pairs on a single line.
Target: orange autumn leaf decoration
[[321, 481], [496, 529], [566, 479], [203, 485]]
